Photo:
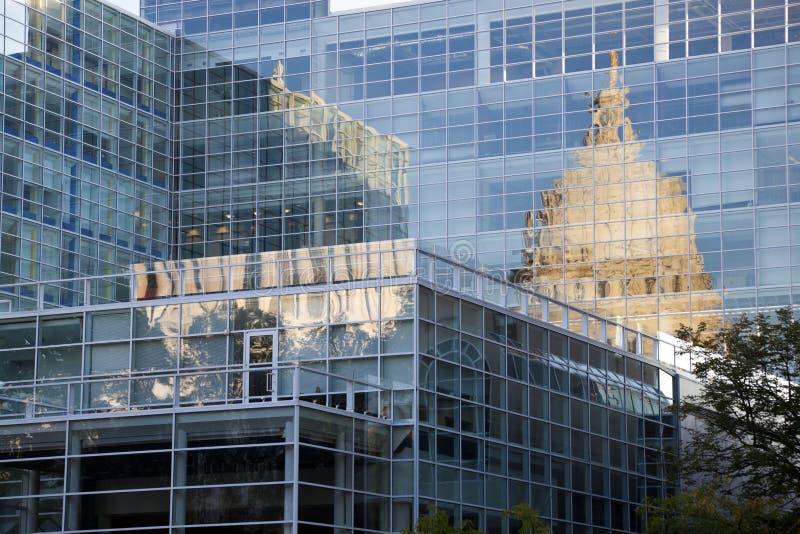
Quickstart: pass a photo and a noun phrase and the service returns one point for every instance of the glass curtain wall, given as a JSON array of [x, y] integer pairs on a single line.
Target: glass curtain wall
[[86, 129], [487, 102]]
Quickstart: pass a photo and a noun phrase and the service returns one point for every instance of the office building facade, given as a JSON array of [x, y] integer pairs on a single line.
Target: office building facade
[[509, 166], [337, 389], [87, 95], [632, 158], [346, 263]]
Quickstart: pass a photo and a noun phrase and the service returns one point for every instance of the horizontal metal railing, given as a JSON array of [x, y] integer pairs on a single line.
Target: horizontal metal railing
[[494, 288], [227, 274], [198, 389], [331, 265]]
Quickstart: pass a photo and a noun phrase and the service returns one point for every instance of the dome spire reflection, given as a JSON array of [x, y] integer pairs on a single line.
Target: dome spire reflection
[[615, 236]]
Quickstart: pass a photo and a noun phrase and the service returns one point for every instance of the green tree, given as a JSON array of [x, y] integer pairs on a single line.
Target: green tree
[[710, 509], [743, 446], [529, 520], [437, 522]]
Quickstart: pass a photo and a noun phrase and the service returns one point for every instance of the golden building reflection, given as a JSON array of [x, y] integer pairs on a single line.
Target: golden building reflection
[[615, 237], [299, 267], [382, 158]]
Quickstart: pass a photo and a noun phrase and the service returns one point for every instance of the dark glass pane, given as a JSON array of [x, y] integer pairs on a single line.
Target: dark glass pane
[[15, 335], [232, 504], [558, 345], [319, 504], [17, 477], [232, 428], [116, 472], [495, 325], [31, 441], [60, 331], [320, 466], [235, 465], [260, 350], [447, 312], [16, 365], [122, 510], [472, 318]]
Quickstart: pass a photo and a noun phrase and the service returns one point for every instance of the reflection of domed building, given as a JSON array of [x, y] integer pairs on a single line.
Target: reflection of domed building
[[616, 238]]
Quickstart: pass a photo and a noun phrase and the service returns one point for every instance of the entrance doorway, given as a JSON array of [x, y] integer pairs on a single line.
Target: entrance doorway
[[259, 362]]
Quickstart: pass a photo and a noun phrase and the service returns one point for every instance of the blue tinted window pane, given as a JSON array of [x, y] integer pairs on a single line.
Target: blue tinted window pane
[[639, 37], [548, 30], [704, 46], [272, 15], [732, 6], [702, 28], [518, 35], [608, 41], [579, 63], [404, 69], [769, 18], [194, 9], [608, 22], [382, 71], [461, 61], [578, 26], [769, 37], [546, 68], [550, 49], [520, 71], [298, 11], [434, 47], [406, 51], [379, 53], [219, 23], [406, 86], [194, 26], [736, 23], [462, 44], [702, 9], [246, 19]]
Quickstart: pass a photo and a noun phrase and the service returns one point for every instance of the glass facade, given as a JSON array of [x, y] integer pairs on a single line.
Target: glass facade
[[86, 140], [512, 413], [689, 219], [345, 401], [259, 125], [263, 167], [349, 263]]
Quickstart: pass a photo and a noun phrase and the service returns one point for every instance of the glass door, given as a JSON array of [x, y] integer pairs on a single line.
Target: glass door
[[259, 360]]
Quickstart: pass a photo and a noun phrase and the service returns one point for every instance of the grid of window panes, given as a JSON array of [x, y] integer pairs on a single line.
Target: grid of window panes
[[263, 167], [526, 38], [86, 140], [345, 477], [238, 470], [359, 332], [508, 411], [704, 28], [491, 101], [511, 412]]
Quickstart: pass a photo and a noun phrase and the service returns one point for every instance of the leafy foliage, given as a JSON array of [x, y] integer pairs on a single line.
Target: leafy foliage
[[529, 520], [709, 509], [747, 433], [437, 522]]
